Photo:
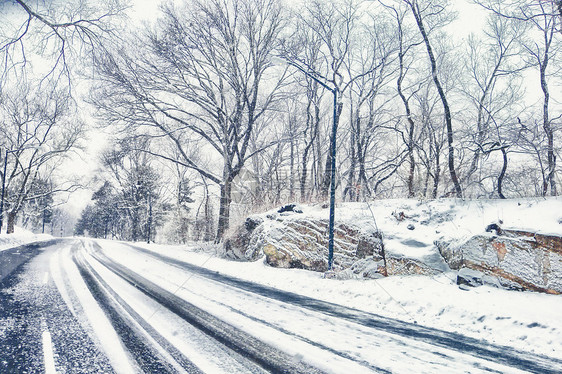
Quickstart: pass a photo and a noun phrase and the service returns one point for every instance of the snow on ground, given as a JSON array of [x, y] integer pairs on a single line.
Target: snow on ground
[[19, 237], [523, 320], [98, 320], [289, 327]]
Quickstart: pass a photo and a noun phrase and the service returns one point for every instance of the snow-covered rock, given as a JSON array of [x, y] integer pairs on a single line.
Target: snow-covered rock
[[290, 240], [303, 243], [518, 259], [376, 239], [237, 246]]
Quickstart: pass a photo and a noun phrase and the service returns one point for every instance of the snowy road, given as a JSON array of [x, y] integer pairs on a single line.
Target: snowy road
[[79, 306]]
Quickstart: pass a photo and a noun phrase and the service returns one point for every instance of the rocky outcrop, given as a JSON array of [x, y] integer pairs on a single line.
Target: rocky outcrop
[[516, 259], [303, 243], [288, 239], [237, 246]]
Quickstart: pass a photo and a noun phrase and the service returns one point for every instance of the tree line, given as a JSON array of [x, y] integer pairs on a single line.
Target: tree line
[[237, 98]]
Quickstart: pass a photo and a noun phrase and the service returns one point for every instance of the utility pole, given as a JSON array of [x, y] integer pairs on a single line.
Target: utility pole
[[3, 190], [149, 217], [334, 91]]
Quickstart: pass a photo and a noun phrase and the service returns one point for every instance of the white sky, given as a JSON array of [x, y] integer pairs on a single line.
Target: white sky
[[145, 9], [471, 18]]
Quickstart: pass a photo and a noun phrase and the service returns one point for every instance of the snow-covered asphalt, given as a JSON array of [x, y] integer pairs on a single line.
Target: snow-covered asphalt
[[83, 306]]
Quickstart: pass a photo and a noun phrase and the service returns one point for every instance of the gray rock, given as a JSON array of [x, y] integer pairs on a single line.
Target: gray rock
[[237, 246], [452, 255], [469, 277], [303, 243], [515, 260]]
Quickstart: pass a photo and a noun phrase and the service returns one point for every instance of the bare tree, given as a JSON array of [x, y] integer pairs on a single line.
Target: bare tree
[[369, 63], [53, 30], [406, 58], [541, 49], [493, 66], [203, 78], [311, 131], [437, 13], [329, 26], [432, 139], [38, 130], [542, 55], [306, 44]]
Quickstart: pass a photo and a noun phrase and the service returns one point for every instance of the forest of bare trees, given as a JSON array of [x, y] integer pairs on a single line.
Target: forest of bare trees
[[236, 101]]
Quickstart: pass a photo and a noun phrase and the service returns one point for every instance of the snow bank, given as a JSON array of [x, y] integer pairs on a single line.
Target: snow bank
[[19, 237]]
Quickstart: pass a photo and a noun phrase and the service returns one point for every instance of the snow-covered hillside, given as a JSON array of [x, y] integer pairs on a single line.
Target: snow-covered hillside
[[524, 320], [411, 227]]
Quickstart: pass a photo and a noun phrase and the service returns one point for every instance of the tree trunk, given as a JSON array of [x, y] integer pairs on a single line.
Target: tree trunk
[[328, 168], [412, 170], [11, 222], [551, 157], [314, 123], [502, 173], [442, 96], [224, 210], [304, 174], [437, 172], [292, 169], [135, 225], [479, 141], [277, 198], [149, 224], [411, 125], [350, 189], [318, 171], [426, 181], [363, 189]]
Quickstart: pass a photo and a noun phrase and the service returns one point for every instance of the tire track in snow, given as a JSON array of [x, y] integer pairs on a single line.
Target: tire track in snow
[[102, 328], [133, 338], [307, 340], [478, 348], [239, 341]]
